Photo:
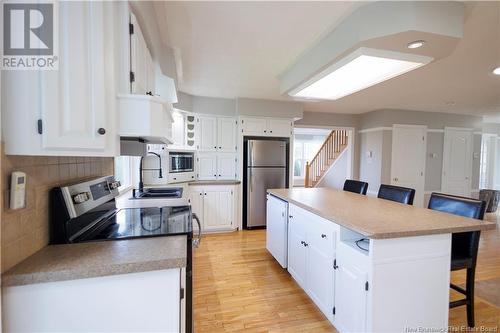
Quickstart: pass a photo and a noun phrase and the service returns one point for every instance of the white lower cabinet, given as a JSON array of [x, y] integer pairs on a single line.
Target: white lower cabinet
[[215, 205], [311, 256], [351, 290]]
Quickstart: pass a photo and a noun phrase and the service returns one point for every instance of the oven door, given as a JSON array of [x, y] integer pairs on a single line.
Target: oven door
[[181, 162]]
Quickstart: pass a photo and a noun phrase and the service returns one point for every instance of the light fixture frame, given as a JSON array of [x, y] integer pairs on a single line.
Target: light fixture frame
[[423, 60]]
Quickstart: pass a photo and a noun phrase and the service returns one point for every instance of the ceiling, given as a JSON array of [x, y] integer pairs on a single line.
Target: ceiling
[[238, 49]]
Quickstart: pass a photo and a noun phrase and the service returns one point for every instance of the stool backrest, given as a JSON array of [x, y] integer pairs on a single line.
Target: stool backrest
[[399, 194], [464, 244], [355, 186]]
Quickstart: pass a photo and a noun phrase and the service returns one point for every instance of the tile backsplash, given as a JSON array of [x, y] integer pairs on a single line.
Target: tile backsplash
[[25, 231]]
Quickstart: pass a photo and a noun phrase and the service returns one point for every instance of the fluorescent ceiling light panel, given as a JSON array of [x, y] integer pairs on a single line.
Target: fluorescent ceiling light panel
[[361, 69]]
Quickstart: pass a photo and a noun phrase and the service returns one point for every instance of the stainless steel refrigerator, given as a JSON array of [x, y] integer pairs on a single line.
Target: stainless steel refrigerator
[[266, 167]]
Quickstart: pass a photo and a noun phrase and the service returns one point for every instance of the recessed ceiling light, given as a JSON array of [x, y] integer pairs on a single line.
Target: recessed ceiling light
[[496, 71], [416, 44], [361, 69]]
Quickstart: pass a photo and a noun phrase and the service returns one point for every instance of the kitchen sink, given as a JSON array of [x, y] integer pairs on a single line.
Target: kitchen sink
[[160, 193]]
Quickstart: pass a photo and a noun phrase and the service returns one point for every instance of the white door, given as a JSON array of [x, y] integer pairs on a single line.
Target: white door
[[350, 297], [207, 166], [210, 208], [196, 196], [254, 126], [74, 102], [225, 210], [226, 134], [226, 166], [408, 159], [457, 161], [279, 127], [277, 228], [207, 130]]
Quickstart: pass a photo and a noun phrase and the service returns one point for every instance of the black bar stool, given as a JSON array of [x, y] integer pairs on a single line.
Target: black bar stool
[[399, 194], [464, 245], [355, 186]]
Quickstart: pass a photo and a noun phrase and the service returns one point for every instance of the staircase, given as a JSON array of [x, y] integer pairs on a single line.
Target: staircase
[[334, 145]]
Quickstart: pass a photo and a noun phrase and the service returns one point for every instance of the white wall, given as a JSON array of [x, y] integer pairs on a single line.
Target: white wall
[[338, 172]]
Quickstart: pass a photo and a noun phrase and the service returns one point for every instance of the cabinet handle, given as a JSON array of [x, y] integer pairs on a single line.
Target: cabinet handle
[[101, 131], [323, 236], [265, 131], [205, 194], [270, 131], [201, 193], [220, 147], [290, 216], [215, 147], [219, 175], [302, 242], [306, 245], [335, 264]]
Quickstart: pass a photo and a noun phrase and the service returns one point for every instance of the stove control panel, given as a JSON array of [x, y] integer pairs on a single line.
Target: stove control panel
[[114, 185]]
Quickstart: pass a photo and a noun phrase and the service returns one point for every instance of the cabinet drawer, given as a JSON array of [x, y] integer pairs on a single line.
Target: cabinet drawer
[[322, 235]]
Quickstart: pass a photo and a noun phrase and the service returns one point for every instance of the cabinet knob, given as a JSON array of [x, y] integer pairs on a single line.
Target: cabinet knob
[[290, 216], [323, 236], [219, 175], [215, 147], [270, 131], [220, 147], [302, 242], [305, 244], [101, 131], [265, 131]]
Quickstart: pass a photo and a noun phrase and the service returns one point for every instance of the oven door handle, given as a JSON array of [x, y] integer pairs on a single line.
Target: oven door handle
[[196, 242]]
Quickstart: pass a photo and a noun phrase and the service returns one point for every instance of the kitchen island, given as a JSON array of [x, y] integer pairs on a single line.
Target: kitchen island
[[370, 265], [125, 285]]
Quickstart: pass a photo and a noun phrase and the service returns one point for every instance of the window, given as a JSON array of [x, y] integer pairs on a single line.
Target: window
[[123, 171], [307, 142]]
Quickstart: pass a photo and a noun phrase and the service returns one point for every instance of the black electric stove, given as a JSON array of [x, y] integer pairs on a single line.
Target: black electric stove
[[87, 212]]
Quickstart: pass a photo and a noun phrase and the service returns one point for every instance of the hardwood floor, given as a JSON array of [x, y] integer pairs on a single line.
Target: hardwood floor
[[239, 287]]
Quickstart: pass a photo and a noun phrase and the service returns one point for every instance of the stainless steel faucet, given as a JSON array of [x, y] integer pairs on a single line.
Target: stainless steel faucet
[[141, 184]]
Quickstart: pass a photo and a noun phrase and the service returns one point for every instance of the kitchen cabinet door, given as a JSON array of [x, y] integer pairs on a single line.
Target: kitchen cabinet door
[[253, 126], [350, 297], [179, 130], [276, 229], [225, 208], [297, 246], [210, 208], [207, 133], [207, 166], [139, 59], [320, 279], [226, 132], [75, 105], [279, 127], [226, 166], [196, 196]]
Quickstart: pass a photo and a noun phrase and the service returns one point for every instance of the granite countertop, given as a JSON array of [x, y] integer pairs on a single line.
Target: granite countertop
[[214, 182], [95, 259], [377, 218]]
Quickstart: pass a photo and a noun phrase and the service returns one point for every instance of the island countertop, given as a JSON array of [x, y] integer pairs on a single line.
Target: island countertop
[[376, 218], [96, 259]]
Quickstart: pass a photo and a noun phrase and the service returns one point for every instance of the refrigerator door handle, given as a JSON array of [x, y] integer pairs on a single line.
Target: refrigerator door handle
[[251, 153], [251, 178]]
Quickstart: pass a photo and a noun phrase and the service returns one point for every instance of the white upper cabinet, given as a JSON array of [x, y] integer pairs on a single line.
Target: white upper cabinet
[[226, 166], [226, 134], [179, 129], [216, 134], [254, 126], [207, 131], [266, 126], [207, 166], [141, 63], [279, 127], [70, 111]]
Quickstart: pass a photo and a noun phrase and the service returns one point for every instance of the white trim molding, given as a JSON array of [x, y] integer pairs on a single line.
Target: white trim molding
[[375, 129], [435, 130]]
